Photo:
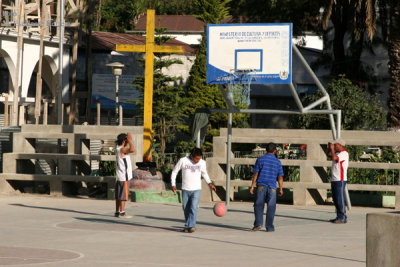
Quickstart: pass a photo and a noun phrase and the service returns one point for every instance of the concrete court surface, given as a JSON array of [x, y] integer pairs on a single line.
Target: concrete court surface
[[40, 230]]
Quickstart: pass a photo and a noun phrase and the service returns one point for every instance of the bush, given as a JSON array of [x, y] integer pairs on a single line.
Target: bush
[[355, 104]]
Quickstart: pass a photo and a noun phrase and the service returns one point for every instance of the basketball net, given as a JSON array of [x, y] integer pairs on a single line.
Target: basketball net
[[239, 86]]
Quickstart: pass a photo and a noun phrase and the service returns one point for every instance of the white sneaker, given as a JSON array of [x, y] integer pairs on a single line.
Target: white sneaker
[[124, 215]]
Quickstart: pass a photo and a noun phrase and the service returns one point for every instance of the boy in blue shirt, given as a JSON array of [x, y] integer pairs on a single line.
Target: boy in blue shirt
[[266, 171]]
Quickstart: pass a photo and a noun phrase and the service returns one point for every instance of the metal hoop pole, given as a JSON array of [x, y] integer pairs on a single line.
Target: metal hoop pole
[[228, 160]]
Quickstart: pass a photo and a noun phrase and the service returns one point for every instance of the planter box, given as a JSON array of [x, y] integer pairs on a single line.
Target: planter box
[[388, 201], [374, 200], [156, 197], [149, 196]]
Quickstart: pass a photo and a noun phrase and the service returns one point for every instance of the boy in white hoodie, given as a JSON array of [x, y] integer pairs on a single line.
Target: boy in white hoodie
[[193, 167]]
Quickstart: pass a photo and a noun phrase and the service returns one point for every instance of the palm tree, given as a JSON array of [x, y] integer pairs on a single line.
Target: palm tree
[[355, 17], [394, 62]]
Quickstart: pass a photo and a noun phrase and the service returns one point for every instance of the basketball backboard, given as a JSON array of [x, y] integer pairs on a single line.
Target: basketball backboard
[[262, 51]]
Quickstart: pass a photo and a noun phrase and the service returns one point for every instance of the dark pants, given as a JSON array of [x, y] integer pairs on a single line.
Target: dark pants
[[339, 199], [265, 194]]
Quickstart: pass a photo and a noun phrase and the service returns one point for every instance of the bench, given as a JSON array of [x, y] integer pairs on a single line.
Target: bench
[[55, 181], [56, 156], [64, 162], [69, 159], [78, 137]]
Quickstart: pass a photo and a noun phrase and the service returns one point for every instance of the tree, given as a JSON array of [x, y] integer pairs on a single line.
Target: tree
[[202, 95], [199, 93], [119, 16], [394, 61], [212, 11], [176, 7], [168, 98], [348, 28], [304, 14], [360, 110], [352, 21]]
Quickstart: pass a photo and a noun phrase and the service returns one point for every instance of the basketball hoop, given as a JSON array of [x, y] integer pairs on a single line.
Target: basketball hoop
[[239, 82]]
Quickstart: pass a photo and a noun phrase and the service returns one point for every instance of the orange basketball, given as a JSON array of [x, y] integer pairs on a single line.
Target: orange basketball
[[219, 209]]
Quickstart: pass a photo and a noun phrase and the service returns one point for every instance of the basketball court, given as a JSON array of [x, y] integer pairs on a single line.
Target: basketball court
[[47, 231]]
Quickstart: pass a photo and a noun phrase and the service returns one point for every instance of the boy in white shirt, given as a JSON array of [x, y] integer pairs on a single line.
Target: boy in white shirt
[[193, 167], [340, 163], [124, 173]]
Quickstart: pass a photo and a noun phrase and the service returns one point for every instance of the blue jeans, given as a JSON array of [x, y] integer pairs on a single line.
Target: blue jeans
[[265, 194], [339, 199], [190, 203]]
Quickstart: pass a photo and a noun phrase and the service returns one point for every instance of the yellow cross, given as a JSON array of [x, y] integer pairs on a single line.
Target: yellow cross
[[149, 48]]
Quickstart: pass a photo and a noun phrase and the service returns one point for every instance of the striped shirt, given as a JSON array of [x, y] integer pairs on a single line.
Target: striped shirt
[[268, 168]]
